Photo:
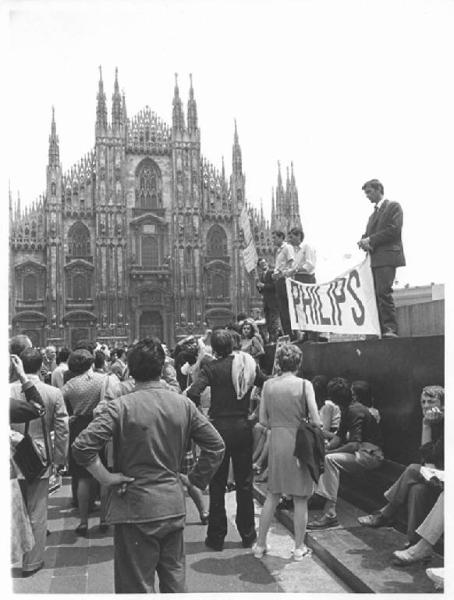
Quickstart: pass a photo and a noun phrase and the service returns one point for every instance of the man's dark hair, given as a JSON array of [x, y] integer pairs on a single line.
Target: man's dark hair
[[260, 260], [297, 231], [221, 342], [85, 345], [80, 361], [146, 360], [279, 233], [320, 385], [62, 355], [363, 392], [18, 343], [119, 352], [100, 359], [236, 339], [375, 184], [32, 360], [339, 391]]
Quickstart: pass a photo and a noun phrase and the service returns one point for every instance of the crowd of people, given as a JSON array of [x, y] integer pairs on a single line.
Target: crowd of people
[[136, 428]]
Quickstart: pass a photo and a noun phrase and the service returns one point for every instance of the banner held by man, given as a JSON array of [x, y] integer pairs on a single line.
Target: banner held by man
[[345, 305]]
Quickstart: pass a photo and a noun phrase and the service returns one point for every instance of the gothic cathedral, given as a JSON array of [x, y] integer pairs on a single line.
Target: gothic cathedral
[[140, 237]]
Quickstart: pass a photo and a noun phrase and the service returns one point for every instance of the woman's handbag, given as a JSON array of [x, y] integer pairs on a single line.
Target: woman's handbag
[[310, 445], [29, 456]]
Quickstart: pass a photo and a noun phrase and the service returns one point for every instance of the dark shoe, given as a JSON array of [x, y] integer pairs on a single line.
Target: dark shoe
[[322, 523], [82, 530], [230, 487], [103, 527], [285, 504], [375, 520], [33, 571], [218, 546], [248, 542], [204, 518]]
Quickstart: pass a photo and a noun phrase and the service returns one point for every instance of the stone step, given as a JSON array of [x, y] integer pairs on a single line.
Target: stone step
[[361, 556]]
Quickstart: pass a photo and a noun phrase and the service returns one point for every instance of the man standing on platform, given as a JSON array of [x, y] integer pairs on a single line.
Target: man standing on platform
[[383, 240], [303, 269], [285, 257], [267, 287]]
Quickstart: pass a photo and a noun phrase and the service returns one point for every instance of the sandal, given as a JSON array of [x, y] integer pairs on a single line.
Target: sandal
[[300, 553]]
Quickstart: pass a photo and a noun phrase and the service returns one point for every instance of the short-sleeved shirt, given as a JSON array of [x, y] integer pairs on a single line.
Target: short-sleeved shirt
[[285, 255]]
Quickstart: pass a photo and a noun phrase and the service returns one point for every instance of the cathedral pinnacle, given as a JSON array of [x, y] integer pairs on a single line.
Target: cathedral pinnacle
[[116, 105], [101, 108], [236, 153], [192, 107], [54, 152], [177, 115]]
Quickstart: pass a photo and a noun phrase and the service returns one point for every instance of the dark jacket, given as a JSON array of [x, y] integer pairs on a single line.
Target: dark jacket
[[218, 375], [268, 291], [384, 230], [310, 449]]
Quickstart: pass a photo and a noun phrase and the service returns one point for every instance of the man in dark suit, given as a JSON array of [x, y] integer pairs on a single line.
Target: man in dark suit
[[267, 288], [384, 243]]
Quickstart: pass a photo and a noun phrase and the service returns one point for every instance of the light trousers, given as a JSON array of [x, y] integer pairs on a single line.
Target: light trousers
[[36, 495], [431, 529]]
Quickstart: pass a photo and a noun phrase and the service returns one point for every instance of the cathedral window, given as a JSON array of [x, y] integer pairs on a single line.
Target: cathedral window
[[148, 185], [216, 242], [218, 285], [53, 188], [79, 241], [150, 252], [30, 287], [80, 292]]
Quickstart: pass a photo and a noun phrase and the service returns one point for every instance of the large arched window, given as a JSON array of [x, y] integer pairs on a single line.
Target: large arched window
[[148, 185], [216, 242], [80, 288], [30, 290], [150, 251], [79, 241]]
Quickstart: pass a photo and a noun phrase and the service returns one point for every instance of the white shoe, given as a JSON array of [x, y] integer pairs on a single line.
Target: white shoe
[[300, 553], [437, 576], [259, 551]]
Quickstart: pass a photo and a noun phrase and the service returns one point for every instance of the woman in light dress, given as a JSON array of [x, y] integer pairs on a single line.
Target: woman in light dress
[[286, 401]]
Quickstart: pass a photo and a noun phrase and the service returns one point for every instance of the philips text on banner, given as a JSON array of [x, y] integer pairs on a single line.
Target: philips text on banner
[[345, 305]]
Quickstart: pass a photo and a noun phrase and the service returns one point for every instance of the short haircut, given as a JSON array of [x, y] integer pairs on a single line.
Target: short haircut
[[100, 359], [146, 359], [260, 260], [119, 352], [85, 345], [339, 391], [80, 361], [63, 355], [18, 343], [32, 360], [222, 342], [278, 233], [236, 339], [363, 392], [320, 384], [297, 231], [289, 357], [375, 184], [435, 391]]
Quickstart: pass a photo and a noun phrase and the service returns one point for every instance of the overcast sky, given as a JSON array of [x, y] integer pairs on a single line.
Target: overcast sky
[[347, 90]]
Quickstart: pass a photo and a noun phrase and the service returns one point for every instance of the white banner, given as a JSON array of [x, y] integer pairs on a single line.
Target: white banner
[[345, 305], [249, 253]]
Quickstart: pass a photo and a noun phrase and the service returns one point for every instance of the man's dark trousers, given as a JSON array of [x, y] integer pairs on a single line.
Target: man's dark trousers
[[383, 282], [237, 436], [282, 301]]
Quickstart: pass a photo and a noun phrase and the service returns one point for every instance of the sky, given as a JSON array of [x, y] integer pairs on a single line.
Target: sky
[[347, 90]]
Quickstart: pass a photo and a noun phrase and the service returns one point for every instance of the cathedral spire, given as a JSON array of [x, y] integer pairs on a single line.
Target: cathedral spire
[[177, 116], [192, 108], [54, 151], [236, 153], [101, 108], [116, 105]]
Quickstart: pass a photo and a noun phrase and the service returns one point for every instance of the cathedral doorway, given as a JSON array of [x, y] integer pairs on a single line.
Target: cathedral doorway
[[78, 334], [150, 324]]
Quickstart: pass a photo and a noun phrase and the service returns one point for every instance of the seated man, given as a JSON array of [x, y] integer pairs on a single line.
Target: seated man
[[355, 448], [412, 489]]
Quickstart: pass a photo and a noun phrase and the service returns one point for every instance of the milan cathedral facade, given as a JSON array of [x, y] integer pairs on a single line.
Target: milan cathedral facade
[[140, 237]]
